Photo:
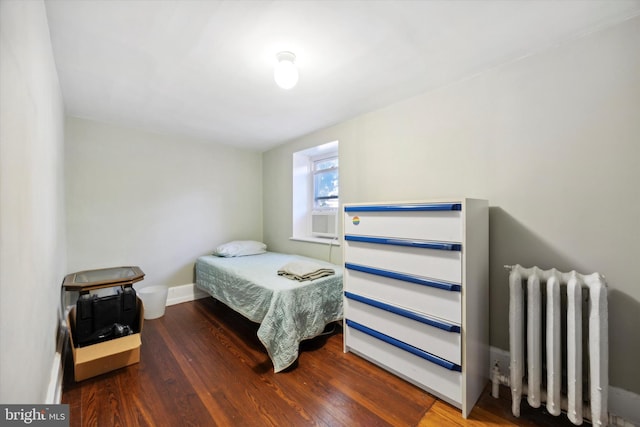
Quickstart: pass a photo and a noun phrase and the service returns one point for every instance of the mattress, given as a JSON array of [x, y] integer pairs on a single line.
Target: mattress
[[288, 311]]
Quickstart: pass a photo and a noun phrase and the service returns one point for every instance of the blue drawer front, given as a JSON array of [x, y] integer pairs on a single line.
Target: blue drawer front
[[446, 286], [442, 246], [445, 326], [406, 207], [406, 347]]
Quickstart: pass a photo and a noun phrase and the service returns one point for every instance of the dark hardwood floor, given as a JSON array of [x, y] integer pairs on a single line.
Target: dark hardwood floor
[[203, 365]]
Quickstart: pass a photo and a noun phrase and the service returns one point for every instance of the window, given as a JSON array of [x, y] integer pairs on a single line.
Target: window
[[325, 183], [316, 193]]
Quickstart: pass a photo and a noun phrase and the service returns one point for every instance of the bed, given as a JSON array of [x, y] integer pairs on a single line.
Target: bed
[[288, 311]]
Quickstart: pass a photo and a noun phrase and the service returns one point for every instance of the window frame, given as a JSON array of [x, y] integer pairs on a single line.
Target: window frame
[[303, 193], [315, 172]]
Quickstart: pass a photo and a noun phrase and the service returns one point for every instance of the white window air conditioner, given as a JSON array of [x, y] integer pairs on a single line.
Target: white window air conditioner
[[324, 223]]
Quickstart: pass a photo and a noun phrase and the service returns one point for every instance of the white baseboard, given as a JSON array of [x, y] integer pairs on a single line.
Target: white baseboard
[[54, 390], [622, 403], [184, 293]]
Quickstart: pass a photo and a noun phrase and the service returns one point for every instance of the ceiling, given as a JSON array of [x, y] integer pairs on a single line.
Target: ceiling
[[204, 68]]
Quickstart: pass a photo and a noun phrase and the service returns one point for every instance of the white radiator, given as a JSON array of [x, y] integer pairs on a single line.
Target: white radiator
[[531, 284]]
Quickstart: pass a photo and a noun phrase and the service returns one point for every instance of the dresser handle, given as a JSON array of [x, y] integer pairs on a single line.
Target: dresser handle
[[406, 208], [441, 246], [445, 286], [404, 346], [445, 326]]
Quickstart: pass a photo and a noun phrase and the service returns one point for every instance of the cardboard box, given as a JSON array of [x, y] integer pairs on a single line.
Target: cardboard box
[[106, 356]]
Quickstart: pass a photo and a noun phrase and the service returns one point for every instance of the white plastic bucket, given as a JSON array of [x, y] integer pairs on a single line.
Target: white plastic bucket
[[154, 299]]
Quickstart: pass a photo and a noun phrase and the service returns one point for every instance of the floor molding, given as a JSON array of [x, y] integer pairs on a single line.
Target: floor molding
[[54, 390], [622, 403], [184, 293]]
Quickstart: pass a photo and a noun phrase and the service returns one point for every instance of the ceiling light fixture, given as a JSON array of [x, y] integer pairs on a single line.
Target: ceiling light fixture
[[285, 72]]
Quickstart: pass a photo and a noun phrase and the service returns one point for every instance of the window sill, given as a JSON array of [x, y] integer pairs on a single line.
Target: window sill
[[323, 241]]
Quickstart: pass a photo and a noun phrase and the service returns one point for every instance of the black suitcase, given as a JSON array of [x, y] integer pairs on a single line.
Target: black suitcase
[[100, 319]]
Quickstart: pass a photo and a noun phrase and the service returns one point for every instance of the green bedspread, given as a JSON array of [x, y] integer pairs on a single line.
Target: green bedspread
[[288, 311]]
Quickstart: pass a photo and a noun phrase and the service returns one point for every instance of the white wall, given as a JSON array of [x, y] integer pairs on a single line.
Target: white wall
[[156, 201], [32, 248], [550, 140]]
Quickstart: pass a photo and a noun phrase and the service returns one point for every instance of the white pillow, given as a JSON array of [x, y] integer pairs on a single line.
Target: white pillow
[[240, 248]]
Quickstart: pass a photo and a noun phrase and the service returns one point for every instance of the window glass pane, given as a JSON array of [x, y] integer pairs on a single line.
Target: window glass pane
[[326, 164], [325, 189]]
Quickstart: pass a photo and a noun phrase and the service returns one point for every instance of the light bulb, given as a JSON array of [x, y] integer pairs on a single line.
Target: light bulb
[[285, 72]]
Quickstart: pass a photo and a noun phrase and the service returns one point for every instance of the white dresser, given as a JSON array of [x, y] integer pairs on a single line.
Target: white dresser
[[416, 293]]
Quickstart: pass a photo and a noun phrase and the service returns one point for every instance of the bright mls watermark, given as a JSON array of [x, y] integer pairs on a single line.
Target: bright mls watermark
[[36, 415]]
